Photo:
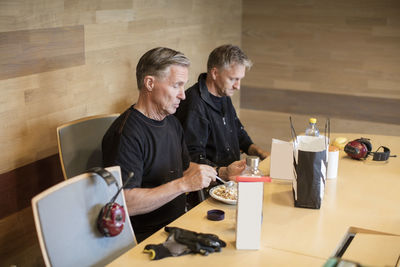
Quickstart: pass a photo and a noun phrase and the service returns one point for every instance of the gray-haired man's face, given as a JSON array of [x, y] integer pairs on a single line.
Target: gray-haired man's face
[[227, 80], [169, 89]]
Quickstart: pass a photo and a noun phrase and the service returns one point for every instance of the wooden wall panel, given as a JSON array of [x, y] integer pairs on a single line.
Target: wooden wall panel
[[18, 186], [34, 51], [19, 245], [263, 125], [323, 58], [18, 240], [362, 108], [346, 47], [107, 37]]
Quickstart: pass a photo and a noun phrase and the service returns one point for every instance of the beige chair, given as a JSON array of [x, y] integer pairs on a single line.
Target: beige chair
[[65, 217], [79, 143]]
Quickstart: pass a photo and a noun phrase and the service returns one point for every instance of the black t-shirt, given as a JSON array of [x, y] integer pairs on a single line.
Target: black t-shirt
[[156, 153]]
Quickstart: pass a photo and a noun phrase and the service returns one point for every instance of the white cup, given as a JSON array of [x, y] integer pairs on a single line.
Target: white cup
[[333, 163]]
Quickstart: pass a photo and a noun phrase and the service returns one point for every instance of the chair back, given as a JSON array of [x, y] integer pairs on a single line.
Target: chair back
[[65, 217], [79, 143]]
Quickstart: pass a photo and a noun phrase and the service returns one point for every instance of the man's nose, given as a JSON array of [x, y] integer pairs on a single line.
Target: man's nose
[[181, 94], [236, 85]]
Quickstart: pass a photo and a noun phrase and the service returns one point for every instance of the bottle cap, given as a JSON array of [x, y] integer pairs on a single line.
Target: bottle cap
[[252, 161], [313, 120], [215, 215]]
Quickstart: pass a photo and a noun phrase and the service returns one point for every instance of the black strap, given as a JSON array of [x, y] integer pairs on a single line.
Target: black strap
[[110, 179], [106, 175], [381, 156]]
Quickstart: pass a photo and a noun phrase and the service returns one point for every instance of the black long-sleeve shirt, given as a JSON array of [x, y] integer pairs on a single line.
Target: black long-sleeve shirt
[[214, 134]]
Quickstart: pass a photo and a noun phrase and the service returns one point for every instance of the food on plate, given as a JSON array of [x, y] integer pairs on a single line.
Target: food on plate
[[226, 192]]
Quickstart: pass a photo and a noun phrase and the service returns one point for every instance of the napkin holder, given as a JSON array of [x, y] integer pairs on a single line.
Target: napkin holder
[[249, 211]]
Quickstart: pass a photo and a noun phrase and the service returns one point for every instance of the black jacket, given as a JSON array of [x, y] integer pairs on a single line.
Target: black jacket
[[213, 136]]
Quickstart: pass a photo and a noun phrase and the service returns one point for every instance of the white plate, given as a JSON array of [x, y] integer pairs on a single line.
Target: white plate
[[227, 201]]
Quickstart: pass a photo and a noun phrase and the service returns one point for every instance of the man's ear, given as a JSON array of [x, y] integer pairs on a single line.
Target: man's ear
[[214, 73], [149, 82]]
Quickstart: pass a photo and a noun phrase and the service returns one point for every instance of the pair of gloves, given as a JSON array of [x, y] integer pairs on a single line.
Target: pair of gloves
[[182, 242]]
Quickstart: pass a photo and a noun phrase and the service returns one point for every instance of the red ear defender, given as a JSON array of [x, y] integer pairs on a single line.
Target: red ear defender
[[362, 148], [356, 149], [111, 219]]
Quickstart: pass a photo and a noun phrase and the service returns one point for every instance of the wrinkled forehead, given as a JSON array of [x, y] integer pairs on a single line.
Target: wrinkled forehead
[[175, 73], [229, 66], [234, 69]]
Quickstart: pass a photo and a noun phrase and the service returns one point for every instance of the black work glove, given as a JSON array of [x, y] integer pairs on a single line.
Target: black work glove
[[181, 242]]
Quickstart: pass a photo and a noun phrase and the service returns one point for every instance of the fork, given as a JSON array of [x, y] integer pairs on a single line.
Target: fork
[[226, 183]]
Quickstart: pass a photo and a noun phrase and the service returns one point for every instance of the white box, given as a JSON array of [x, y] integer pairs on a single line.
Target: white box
[[249, 213]]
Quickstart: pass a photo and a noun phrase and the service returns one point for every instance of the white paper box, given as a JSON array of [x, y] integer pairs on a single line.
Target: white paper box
[[281, 160], [249, 213]]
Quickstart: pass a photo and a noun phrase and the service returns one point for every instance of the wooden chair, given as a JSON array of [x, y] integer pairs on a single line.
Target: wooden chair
[[65, 216], [79, 143]]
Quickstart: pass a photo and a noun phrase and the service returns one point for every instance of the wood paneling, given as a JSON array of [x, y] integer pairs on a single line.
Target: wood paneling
[[19, 245], [263, 125], [18, 186], [341, 47], [34, 51], [47, 85], [66, 59], [337, 59], [324, 104]]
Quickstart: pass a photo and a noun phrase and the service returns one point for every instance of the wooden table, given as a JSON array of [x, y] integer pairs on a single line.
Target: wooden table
[[366, 194]]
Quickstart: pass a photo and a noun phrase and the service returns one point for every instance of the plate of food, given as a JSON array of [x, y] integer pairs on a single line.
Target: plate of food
[[224, 194]]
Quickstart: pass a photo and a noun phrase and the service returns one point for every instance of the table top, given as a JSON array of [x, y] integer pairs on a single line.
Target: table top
[[364, 195]]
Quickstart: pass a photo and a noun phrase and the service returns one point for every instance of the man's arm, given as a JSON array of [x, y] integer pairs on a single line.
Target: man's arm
[[257, 151], [245, 142], [144, 200], [196, 126], [244, 139]]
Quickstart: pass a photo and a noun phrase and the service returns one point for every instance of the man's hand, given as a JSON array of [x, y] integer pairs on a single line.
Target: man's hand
[[256, 151], [144, 200], [198, 176], [233, 170]]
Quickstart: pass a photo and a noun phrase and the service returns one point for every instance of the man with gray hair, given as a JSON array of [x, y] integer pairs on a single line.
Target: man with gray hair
[[213, 132], [147, 141]]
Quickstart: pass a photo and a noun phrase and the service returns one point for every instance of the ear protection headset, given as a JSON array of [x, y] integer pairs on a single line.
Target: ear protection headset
[[361, 148], [111, 219]]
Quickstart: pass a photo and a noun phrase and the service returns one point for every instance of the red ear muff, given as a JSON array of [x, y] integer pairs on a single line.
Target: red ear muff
[[361, 148], [111, 218], [367, 144], [356, 149]]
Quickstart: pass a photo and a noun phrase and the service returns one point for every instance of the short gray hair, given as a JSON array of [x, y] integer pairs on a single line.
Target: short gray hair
[[156, 61], [226, 55]]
